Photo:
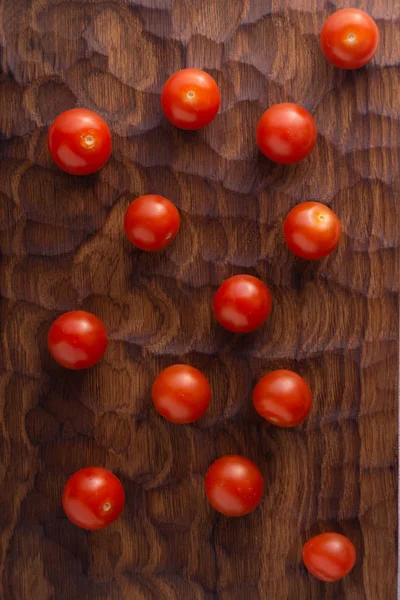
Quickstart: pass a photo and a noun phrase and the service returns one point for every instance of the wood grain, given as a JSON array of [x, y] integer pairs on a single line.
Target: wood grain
[[335, 321]]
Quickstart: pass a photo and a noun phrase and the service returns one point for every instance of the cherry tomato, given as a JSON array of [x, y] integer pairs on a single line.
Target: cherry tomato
[[242, 303], [151, 222], [77, 340], [79, 141], [283, 398], [181, 394], [286, 133], [329, 556], [349, 38], [312, 230], [190, 99], [93, 498], [234, 485]]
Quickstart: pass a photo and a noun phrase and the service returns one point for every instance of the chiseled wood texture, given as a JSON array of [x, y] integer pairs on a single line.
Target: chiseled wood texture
[[335, 321]]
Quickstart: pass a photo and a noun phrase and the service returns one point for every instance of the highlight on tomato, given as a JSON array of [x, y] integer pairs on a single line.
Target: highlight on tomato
[[329, 556], [282, 398], [77, 340], [242, 303], [79, 141], [181, 393], [234, 485], [312, 230], [151, 222], [349, 38], [286, 133], [190, 99], [93, 498]]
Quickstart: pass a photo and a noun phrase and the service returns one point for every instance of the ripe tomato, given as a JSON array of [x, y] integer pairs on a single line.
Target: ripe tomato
[[190, 99], [181, 394], [283, 398], [79, 141], [93, 498], [234, 485], [151, 222], [349, 38], [286, 133], [77, 340], [329, 556], [242, 303], [312, 230]]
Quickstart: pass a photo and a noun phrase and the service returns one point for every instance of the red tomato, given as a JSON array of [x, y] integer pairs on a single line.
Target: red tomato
[[286, 133], [349, 38], [242, 303], [329, 556], [93, 498], [77, 340], [151, 222], [312, 230], [234, 485], [283, 398], [181, 394], [190, 99], [79, 141]]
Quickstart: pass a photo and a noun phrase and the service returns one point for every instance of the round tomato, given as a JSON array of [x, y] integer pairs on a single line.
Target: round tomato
[[190, 99], [329, 556], [349, 38], [93, 498], [286, 133], [283, 398], [234, 485], [151, 222], [312, 230], [181, 394], [77, 340], [79, 141], [242, 303]]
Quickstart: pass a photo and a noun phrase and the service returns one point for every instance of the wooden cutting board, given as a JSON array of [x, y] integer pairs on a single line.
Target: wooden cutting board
[[334, 321]]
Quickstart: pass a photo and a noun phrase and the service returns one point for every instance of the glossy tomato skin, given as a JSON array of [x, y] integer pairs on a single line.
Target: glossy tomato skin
[[79, 141], [349, 38], [77, 340], [329, 556], [242, 303], [93, 498], [312, 230], [234, 485], [181, 394], [151, 222], [190, 99], [286, 133], [282, 398]]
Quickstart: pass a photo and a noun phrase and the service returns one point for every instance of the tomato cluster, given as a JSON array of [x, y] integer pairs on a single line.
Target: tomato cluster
[[80, 143]]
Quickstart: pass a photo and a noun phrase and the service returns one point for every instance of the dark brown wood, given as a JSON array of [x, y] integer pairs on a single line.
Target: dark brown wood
[[335, 321]]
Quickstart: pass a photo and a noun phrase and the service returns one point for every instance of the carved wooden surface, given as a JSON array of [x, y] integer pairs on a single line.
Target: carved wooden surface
[[335, 321]]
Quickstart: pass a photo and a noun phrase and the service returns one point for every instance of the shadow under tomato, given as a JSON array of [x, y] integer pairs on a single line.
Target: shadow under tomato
[[304, 271]]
